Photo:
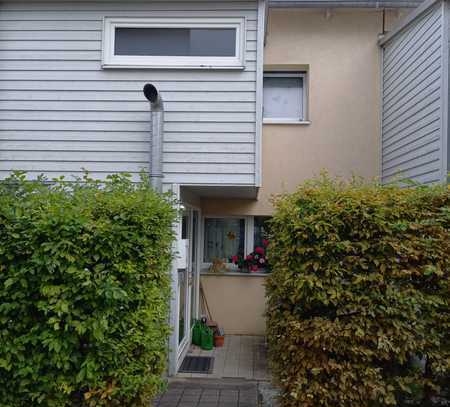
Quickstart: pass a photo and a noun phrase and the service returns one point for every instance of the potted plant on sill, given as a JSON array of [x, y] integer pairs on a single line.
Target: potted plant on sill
[[254, 262]]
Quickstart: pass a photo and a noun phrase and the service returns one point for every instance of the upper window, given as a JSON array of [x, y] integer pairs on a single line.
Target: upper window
[[284, 97], [174, 43]]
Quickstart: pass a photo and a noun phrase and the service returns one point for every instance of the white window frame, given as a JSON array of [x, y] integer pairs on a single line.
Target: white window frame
[[110, 60], [248, 239], [289, 120]]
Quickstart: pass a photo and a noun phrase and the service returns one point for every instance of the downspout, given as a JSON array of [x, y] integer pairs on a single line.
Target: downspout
[[155, 173], [156, 140]]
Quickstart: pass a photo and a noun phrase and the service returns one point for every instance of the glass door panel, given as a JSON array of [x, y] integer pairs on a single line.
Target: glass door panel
[[182, 305], [183, 285], [187, 278], [193, 268]]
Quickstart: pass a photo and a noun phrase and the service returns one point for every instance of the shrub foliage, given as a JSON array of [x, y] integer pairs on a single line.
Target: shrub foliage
[[358, 303], [84, 289]]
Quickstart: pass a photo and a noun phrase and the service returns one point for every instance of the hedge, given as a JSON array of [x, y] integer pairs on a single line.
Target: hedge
[[358, 302], [84, 290]]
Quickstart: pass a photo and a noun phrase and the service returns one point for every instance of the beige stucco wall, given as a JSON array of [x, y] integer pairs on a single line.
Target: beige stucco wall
[[237, 303], [342, 58]]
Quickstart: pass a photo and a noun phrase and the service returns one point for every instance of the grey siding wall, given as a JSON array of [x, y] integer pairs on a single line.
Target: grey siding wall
[[446, 148], [413, 110], [60, 112]]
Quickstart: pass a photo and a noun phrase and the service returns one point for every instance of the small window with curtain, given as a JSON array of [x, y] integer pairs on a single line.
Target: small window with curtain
[[284, 98], [174, 42], [224, 238]]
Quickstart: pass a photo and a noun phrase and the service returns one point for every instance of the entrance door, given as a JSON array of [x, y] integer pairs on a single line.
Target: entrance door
[[186, 280]]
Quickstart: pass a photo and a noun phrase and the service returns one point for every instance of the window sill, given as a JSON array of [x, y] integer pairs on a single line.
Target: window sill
[[204, 67], [286, 121], [234, 274]]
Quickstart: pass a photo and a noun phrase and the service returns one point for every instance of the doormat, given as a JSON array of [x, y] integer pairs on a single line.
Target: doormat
[[197, 364]]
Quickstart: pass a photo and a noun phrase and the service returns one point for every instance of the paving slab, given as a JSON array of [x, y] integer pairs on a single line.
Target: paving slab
[[191, 392], [241, 356]]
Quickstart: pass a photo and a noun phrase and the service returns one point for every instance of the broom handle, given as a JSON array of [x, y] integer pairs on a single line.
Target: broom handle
[[205, 302]]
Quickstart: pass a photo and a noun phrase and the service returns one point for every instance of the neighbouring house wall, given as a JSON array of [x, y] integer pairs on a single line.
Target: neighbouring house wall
[[414, 93], [343, 61], [237, 303], [61, 112]]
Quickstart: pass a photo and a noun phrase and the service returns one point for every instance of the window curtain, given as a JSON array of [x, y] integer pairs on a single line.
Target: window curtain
[[223, 238]]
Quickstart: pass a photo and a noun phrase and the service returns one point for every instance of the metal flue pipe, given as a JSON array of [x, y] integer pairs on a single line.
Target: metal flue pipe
[[156, 141]]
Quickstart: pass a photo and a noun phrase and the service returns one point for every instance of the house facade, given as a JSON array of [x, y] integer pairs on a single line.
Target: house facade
[[257, 96]]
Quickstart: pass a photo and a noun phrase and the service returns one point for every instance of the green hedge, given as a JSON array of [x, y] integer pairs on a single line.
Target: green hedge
[[358, 303], [84, 290]]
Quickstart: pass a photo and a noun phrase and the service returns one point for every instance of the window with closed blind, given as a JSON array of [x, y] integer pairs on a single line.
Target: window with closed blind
[[284, 97]]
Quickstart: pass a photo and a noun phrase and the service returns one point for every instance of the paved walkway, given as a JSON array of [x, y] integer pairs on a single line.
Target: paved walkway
[[240, 378], [209, 393], [241, 356]]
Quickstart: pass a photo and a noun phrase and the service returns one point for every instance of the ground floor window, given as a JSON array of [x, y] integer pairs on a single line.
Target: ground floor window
[[228, 238], [223, 238]]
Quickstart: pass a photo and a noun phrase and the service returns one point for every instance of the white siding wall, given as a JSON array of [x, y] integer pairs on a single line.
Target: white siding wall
[[413, 111], [60, 112]]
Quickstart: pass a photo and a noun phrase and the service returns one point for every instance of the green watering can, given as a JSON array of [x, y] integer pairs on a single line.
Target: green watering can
[[197, 333], [207, 341], [202, 335]]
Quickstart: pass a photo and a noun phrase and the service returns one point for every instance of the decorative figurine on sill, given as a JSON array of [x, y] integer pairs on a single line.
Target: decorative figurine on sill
[[217, 266]]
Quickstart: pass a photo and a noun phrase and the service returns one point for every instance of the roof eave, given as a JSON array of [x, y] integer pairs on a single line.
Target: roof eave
[[377, 4]]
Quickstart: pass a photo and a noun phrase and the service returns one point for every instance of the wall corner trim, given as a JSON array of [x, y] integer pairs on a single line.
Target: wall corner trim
[[405, 22], [262, 16], [445, 89]]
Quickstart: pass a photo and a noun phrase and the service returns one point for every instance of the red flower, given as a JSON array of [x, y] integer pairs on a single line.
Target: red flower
[[265, 242], [249, 257], [253, 267], [259, 250], [234, 259]]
